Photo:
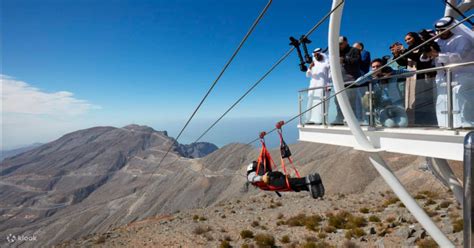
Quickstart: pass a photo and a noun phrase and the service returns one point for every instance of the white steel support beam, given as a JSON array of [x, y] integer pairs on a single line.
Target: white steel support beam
[[375, 158]]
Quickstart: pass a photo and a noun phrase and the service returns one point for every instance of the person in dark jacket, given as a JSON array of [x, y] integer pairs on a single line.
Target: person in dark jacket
[[311, 183], [350, 65], [350, 60], [364, 57]]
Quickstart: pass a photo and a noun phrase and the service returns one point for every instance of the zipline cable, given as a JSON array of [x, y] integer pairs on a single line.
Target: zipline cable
[[260, 16], [281, 59]]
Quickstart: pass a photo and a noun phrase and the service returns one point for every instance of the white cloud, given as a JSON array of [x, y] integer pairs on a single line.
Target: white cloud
[[20, 97], [30, 115]]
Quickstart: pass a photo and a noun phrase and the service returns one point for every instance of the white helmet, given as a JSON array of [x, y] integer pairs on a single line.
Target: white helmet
[[250, 167]]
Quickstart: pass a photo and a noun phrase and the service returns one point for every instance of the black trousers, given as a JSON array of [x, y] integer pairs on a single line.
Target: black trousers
[[278, 179]]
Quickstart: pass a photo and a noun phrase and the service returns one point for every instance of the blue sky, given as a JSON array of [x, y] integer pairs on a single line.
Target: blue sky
[[119, 62]]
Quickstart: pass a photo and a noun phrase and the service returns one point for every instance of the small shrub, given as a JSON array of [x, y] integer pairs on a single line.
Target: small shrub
[[227, 238], [458, 225], [279, 204], [401, 205], [430, 202], [280, 222], [356, 232], [225, 244], [208, 236], [202, 218], [355, 221], [255, 223], [453, 215], [297, 220], [309, 245], [199, 230], [390, 219], [390, 201], [311, 222], [337, 220], [246, 234], [101, 239], [430, 194], [426, 243], [364, 210], [285, 239], [444, 204], [310, 239], [322, 235], [280, 216], [196, 217], [329, 229], [320, 244], [420, 196], [264, 240], [349, 244], [429, 212], [374, 218]]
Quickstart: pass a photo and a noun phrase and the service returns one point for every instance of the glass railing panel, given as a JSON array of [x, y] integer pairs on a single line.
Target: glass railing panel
[[312, 102], [413, 99], [388, 102], [356, 97], [462, 96]]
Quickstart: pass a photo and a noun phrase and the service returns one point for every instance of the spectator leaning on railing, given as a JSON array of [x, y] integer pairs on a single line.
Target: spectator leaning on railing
[[387, 103], [350, 65], [396, 49]]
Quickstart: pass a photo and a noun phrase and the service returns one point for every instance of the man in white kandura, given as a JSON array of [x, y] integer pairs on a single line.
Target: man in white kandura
[[455, 46], [320, 77]]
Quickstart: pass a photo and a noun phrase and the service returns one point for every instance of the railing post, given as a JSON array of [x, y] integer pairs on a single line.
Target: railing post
[[324, 103], [299, 107], [468, 205], [371, 106], [449, 93]]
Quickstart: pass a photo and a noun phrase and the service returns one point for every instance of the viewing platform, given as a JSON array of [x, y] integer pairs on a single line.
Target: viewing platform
[[431, 126]]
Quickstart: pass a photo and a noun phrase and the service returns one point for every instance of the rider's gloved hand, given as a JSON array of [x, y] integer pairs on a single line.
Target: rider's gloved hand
[[266, 178]]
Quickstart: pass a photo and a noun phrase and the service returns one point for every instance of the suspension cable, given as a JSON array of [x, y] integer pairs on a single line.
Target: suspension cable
[[260, 16], [277, 63]]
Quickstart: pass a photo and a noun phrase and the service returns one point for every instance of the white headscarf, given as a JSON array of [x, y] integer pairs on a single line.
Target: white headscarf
[[461, 29]]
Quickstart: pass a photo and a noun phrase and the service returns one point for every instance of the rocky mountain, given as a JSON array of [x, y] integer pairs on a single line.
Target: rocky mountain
[[13, 152], [80, 172], [197, 150], [100, 179]]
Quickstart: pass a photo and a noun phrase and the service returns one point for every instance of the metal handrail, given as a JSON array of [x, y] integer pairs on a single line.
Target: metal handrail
[[402, 75]]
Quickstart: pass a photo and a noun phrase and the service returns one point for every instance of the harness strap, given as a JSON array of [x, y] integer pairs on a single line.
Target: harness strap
[[285, 150]]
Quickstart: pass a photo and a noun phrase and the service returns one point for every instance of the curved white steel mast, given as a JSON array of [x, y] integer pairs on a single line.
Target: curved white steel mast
[[364, 143]]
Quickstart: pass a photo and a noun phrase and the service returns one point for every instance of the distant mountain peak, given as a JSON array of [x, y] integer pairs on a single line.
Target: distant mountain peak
[[136, 127], [143, 128]]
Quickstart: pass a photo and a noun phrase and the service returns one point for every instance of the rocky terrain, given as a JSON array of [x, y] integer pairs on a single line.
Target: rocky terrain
[[375, 219], [89, 180], [102, 186]]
